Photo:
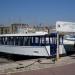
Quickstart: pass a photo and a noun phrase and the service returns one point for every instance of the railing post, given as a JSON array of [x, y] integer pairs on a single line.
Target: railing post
[[57, 52]]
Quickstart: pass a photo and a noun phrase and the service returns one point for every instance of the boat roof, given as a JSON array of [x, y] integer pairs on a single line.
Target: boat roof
[[29, 34], [22, 34]]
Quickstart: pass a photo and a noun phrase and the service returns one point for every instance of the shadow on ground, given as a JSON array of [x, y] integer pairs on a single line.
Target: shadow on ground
[[19, 57], [71, 54]]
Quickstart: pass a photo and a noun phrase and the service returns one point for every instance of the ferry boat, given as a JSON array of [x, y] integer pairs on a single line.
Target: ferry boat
[[30, 44], [69, 43]]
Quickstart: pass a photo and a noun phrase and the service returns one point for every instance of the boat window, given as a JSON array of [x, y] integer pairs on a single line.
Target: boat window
[[24, 41], [28, 40], [47, 41], [52, 40], [35, 41], [42, 40], [1, 40]]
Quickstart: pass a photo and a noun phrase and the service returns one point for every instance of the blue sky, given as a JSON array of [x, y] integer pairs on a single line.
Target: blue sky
[[36, 11]]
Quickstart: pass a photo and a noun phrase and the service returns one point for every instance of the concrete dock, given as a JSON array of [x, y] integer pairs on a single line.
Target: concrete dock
[[38, 66]]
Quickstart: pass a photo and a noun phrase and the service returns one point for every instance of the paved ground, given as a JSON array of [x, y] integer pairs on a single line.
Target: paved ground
[[65, 66], [63, 70]]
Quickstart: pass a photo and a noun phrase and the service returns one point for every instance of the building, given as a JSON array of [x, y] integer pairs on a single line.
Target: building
[[18, 28], [4, 29], [22, 28]]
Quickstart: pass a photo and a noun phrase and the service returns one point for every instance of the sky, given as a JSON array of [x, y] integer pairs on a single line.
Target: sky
[[36, 11]]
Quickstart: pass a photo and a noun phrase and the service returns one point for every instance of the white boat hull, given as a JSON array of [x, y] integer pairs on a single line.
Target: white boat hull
[[29, 50], [25, 50]]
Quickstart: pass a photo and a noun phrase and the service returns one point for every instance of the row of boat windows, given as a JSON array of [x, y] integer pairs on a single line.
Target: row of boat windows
[[28, 41]]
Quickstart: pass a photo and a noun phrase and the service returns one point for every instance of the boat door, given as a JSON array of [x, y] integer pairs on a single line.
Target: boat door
[[53, 45], [53, 48]]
